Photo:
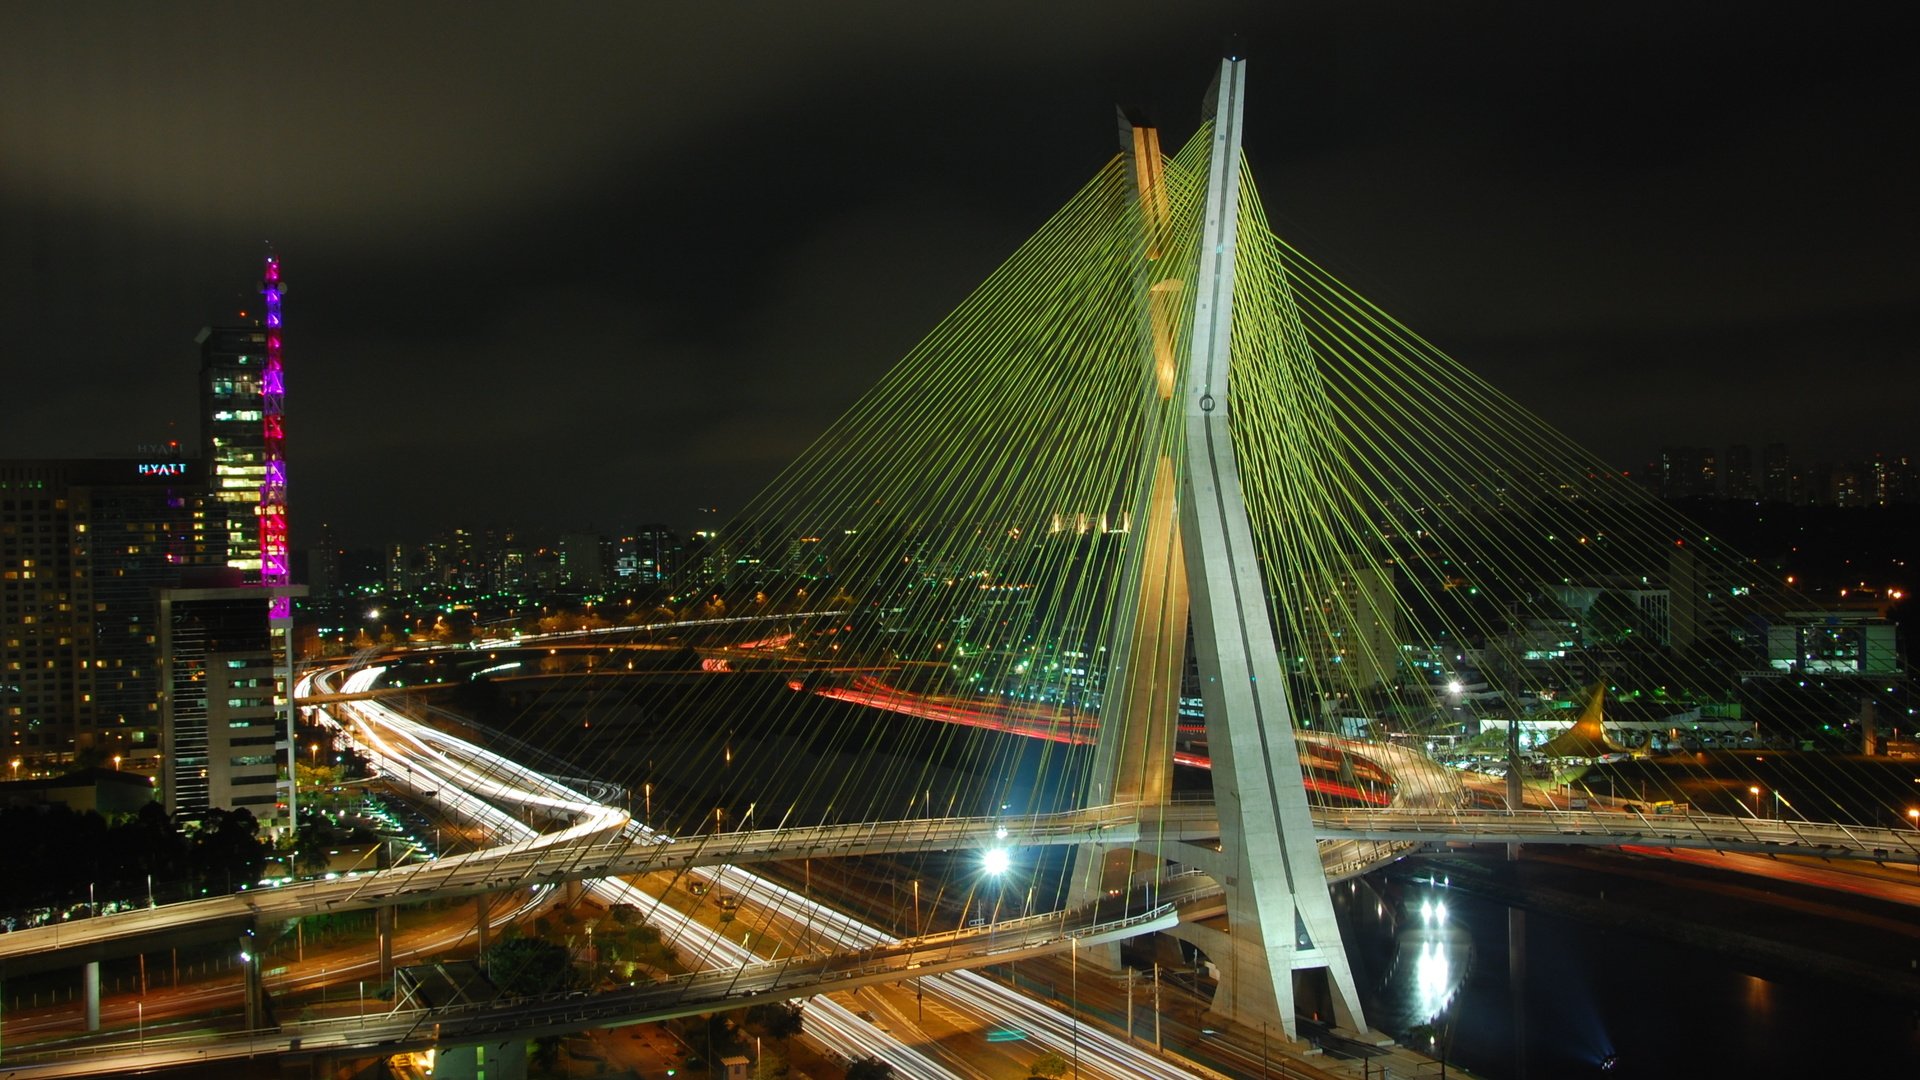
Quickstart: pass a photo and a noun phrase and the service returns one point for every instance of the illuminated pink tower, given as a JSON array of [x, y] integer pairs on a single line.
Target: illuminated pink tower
[[273, 489], [274, 565]]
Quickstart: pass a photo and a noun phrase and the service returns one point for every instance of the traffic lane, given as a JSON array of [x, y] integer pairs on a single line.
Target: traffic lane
[[1880, 885], [193, 1004]]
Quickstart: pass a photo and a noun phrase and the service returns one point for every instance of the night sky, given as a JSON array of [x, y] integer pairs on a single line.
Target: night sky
[[570, 267]]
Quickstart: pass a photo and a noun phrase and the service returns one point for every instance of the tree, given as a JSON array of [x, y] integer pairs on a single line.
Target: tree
[[1050, 1065], [545, 1055], [869, 1068], [528, 966], [771, 1066], [226, 851], [775, 1019], [310, 847]]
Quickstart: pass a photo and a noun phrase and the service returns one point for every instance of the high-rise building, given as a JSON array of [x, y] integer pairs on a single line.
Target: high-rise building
[[656, 553], [1893, 480], [324, 564], [85, 546], [1350, 637], [1710, 600], [94, 556], [1852, 485], [580, 562], [1688, 472], [225, 737], [233, 361], [1738, 474], [1776, 481]]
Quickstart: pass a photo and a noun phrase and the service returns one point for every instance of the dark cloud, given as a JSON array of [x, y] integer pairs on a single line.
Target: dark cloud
[[572, 265]]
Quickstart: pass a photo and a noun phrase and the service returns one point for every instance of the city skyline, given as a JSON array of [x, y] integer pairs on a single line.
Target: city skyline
[[655, 258]]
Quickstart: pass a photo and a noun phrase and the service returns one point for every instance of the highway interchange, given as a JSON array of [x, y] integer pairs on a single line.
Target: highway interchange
[[585, 840]]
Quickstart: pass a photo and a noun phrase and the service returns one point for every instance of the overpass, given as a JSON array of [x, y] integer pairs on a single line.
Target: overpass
[[631, 849], [402, 1030]]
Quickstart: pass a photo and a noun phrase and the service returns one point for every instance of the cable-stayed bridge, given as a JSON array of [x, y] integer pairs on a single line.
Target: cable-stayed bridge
[[858, 958], [1161, 493]]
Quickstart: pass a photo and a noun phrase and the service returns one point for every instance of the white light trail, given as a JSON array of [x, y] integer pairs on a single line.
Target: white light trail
[[467, 777]]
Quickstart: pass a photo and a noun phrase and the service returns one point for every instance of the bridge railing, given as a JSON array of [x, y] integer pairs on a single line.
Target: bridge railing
[[1732, 831]]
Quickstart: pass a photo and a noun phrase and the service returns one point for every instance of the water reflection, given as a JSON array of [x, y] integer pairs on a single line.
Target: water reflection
[[1759, 997], [1432, 956], [1510, 995]]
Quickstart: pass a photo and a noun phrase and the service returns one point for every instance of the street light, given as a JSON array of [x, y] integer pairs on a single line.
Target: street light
[[1913, 815], [1073, 960], [1755, 792]]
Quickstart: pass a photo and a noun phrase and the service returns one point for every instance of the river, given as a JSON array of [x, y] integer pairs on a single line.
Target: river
[[1430, 942]]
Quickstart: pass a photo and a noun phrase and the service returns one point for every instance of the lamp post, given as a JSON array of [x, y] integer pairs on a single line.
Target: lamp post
[[1913, 815], [1073, 952], [1755, 792]]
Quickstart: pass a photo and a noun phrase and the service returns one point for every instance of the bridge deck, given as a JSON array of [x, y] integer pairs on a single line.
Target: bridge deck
[[632, 850], [728, 988]]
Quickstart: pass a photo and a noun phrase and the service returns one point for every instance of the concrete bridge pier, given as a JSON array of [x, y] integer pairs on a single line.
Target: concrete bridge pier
[[90, 984], [481, 910], [491, 1061], [383, 928]]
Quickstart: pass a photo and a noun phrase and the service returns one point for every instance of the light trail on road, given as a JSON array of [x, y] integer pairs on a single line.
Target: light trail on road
[[402, 742]]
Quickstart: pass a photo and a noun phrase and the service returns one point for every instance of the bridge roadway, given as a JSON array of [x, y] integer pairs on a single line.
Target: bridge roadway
[[611, 845], [728, 988], [615, 847]]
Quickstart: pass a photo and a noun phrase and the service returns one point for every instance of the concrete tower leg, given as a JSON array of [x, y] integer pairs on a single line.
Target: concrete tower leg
[[1278, 905], [1134, 760]]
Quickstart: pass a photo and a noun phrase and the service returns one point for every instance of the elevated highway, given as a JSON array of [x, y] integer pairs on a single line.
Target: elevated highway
[[728, 988], [616, 847], [602, 846]]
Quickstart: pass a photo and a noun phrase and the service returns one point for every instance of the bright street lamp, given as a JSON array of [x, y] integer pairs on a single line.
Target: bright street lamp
[[1755, 792], [1913, 815]]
